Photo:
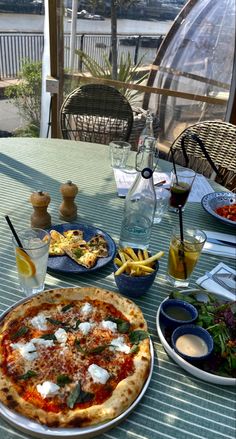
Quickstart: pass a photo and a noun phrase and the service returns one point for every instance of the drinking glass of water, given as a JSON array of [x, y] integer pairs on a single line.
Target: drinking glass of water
[[31, 259], [119, 153], [162, 203]]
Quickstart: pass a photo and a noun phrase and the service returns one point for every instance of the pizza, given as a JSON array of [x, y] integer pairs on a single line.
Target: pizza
[[72, 244], [73, 357]]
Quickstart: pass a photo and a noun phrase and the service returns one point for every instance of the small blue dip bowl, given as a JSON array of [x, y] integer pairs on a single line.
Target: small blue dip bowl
[[175, 312], [192, 342]]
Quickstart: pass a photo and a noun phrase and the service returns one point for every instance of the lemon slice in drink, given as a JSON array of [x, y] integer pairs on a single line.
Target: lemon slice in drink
[[24, 264]]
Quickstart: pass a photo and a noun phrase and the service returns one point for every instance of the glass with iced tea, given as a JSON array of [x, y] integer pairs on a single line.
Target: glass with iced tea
[[183, 256], [180, 186]]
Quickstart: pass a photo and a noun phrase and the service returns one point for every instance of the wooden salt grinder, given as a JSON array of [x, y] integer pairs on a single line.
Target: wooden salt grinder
[[40, 217], [68, 208]]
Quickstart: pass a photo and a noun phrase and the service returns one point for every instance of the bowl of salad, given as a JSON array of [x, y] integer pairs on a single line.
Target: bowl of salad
[[217, 316]]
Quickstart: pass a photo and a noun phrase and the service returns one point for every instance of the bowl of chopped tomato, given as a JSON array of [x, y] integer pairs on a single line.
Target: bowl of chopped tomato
[[222, 206]]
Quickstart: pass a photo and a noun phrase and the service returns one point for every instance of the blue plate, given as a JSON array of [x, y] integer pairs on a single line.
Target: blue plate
[[210, 202], [64, 264]]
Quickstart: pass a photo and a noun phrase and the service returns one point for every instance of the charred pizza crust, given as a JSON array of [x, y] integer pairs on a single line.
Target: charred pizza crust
[[121, 396]]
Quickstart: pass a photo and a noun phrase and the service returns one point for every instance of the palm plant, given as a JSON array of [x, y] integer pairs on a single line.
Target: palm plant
[[127, 72]]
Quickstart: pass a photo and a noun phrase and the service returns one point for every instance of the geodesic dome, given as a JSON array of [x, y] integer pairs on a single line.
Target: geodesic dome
[[196, 57]]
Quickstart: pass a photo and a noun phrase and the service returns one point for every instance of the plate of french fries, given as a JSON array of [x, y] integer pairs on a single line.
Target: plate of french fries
[[136, 262]]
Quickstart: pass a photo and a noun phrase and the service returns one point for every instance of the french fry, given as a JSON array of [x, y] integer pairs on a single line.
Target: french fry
[[121, 269], [144, 268], [118, 262], [127, 257], [122, 257], [150, 260], [131, 253], [140, 255], [145, 254]]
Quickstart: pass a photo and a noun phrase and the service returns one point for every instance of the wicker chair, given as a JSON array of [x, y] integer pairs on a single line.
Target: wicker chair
[[96, 113], [209, 148]]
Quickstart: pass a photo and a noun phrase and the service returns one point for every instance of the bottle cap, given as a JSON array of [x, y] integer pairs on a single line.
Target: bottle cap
[[146, 173]]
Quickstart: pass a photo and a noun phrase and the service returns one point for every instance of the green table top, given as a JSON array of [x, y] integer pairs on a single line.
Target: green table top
[[176, 405]]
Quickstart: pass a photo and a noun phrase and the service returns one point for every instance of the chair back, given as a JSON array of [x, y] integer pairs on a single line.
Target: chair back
[[96, 113], [209, 148]]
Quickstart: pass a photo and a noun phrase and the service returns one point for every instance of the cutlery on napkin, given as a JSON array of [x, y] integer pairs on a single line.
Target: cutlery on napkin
[[212, 281], [221, 244]]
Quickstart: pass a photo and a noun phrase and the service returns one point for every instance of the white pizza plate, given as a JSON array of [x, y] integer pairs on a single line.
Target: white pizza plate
[[193, 370], [41, 431]]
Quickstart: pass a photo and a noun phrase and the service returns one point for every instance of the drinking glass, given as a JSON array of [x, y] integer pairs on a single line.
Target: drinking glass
[[180, 187], [119, 153], [162, 203], [31, 260], [183, 256]]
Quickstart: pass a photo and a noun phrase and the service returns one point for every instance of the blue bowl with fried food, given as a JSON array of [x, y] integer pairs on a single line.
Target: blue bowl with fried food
[[134, 284]]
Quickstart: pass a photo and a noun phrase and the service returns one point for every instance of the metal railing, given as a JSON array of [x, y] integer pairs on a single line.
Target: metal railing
[[16, 47]]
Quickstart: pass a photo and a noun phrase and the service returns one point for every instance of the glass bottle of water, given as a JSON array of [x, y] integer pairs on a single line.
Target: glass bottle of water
[[140, 202], [147, 130]]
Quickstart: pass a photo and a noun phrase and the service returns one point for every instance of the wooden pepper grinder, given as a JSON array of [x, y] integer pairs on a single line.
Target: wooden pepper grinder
[[40, 217], [68, 208]]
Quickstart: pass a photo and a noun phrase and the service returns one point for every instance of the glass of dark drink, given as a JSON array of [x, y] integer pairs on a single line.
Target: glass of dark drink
[[180, 187]]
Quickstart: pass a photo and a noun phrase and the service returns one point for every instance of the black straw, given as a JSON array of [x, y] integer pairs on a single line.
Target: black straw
[[173, 160], [13, 231], [182, 240], [181, 224]]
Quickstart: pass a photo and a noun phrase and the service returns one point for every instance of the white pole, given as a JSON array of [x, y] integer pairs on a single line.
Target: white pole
[[73, 34], [45, 97]]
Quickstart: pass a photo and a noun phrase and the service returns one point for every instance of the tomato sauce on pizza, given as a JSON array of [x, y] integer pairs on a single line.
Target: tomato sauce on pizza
[[73, 357]]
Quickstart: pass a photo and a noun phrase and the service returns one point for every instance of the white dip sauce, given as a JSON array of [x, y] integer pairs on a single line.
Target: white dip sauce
[[191, 345]]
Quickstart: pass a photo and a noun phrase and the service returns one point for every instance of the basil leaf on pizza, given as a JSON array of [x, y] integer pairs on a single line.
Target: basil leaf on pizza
[[73, 357], [122, 325], [67, 307], [137, 336], [72, 398], [62, 380], [21, 331], [27, 375]]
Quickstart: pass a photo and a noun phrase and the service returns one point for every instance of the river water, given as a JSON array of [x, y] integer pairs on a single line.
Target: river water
[[35, 23]]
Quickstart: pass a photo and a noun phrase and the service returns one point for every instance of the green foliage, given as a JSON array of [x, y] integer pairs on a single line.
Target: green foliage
[[27, 97], [127, 72]]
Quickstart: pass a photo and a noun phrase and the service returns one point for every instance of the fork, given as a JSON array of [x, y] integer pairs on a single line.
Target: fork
[[219, 278]]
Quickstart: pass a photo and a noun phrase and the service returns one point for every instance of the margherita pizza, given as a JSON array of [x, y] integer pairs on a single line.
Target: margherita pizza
[[73, 357]]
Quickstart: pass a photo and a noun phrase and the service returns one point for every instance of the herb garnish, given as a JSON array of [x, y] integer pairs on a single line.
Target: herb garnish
[[62, 380], [96, 350], [77, 325], [55, 322], [80, 349], [78, 252], [48, 337], [27, 375], [78, 395], [122, 325], [137, 336], [66, 307], [22, 331]]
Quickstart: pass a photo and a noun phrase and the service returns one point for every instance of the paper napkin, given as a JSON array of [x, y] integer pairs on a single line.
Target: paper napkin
[[220, 249], [212, 285]]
